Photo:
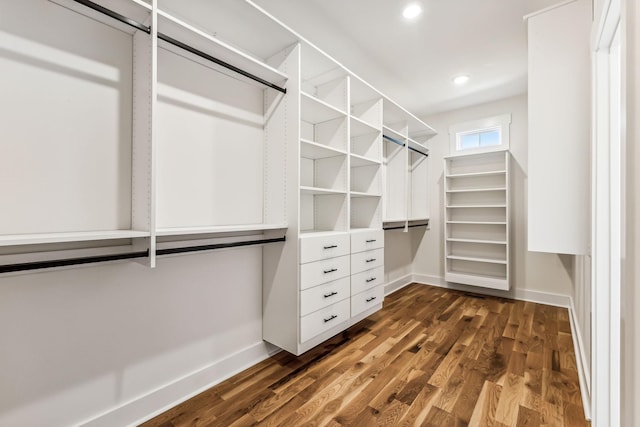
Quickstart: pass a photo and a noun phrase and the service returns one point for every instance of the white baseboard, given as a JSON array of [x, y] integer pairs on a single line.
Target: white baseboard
[[584, 376], [547, 298], [146, 407], [397, 284]]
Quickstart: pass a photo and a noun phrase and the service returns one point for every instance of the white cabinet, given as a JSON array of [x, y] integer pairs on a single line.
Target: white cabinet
[[559, 132], [476, 213]]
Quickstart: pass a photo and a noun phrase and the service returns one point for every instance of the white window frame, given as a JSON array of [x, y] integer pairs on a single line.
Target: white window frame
[[500, 123]]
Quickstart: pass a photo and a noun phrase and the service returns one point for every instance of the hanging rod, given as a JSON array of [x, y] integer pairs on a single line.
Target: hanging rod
[[171, 251], [38, 265], [144, 28], [402, 226], [115, 15], [395, 141]]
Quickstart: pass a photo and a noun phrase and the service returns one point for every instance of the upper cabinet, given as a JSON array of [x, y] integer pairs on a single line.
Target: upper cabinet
[[559, 130]]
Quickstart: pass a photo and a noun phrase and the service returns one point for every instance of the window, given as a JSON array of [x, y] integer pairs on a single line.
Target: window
[[490, 134]]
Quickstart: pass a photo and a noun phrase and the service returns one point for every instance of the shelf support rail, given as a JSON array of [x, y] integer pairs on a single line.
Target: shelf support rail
[[121, 18], [402, 144]]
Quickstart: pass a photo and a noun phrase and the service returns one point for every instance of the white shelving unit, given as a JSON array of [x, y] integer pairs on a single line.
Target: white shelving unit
[[477, 219], [141, 131]]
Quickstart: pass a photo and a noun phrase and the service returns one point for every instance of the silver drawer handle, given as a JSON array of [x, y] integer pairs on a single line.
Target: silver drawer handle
[[371, 280], [330, 294], [370, 299], [331, 246], [333, 316], [330, 271], [370, 260], [370, 241]]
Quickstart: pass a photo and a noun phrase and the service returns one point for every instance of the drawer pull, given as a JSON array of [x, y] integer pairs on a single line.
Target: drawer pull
[[333, 316], [331, 246], [330, 294], [371, 280], [370, 260], [370, 299], [370, 241], [330, 271]]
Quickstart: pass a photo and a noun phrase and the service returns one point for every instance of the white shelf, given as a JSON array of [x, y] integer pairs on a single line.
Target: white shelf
[[483, 241], [136, 10], [314, 150], [320, 191], [484, 280], [80, 236], [177, 231], [200, 40], [362, 194], [308, 234], [476, 190], [393, 133], [357, 161], [477, 174], [478, 222], [417, 146], [478, 259], [315, 110], [359, 127], [476, 206]]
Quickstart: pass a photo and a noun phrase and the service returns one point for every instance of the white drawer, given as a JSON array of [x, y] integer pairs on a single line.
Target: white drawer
[[323, 320], [366, 240], [321, 296], [319, 272], [366, 280], [367, 260], [367, 299], [323, 247]]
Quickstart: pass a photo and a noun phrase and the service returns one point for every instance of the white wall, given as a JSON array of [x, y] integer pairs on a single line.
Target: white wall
[[80, 342], [630, 363], [530, 271]]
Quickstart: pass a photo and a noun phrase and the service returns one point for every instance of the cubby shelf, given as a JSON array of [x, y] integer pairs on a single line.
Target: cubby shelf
[[364, 194], [315, 110], [358, 161], [475, 190], [320, 191], [359, 127], [393, 133], [498, 205], [314, 150], [479, 222], [476, 174]]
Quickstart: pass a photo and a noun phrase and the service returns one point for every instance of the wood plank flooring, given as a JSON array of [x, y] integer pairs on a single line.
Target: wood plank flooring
[[430, 357]]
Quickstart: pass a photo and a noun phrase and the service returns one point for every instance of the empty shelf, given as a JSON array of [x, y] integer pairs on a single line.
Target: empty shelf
[[360, 127], [320, 191], [490, 242], [477, 259], [314, 150], [477, 174], [475, 190], [315, 110], [80, 236], [177, 231]]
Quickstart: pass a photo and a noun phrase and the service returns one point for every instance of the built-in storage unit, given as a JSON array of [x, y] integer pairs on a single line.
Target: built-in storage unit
[[151, 136], [406, 166], [163, 129], [559, 116], [476, 216]]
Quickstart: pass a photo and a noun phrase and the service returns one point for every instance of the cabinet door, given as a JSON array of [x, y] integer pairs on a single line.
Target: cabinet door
[[559, 142]]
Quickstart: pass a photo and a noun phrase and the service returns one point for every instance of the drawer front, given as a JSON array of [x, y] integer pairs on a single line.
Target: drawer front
[[321, 296], [323, 247], [367, 299], [366, 280], [366, 240], [367, 260], [319, 272], [322, 320]]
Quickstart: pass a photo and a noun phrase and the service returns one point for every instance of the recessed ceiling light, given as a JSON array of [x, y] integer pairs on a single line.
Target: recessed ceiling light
[[461, 79], [412, 10]]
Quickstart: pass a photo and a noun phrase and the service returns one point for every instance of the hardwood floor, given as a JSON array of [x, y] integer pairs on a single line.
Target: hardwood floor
[[431, 357]]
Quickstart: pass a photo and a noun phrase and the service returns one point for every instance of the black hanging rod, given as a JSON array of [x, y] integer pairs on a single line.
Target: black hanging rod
[[37, 265], [115, 15], [144, 28], [402, 226], [395, 141], [220, 62], [171, 251]]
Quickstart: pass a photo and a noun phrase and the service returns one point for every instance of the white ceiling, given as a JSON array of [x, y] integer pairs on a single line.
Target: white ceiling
[[413, 62]]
